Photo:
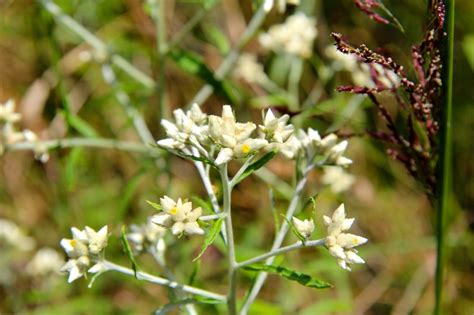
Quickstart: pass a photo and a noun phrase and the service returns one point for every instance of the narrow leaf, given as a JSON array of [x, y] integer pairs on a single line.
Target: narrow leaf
[[128, 250], [292, 275], [215, 36], [255, 166], [155, 205], [211, 237]]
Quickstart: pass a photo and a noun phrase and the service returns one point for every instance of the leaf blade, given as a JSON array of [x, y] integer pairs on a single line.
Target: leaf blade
[[211, 237]]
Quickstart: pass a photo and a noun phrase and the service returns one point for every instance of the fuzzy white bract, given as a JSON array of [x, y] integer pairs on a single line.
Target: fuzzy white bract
[[304, 227], [232, 137], [85, 248], [340, 244], [275, 129], [179, 215], [295, 36]]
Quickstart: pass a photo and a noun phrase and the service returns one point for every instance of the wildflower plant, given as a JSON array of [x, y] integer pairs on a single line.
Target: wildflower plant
[[225, 150]]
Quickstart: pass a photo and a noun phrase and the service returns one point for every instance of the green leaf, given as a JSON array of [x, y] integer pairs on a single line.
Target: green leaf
[[155, 205], [80, 125], [128, 192], [211, 237], [468, 47], [254, 166], [216, 37], [192, 63], [202, 203], [128, 250], [71, 168], [292, 275], [199, 159], [266, 101]]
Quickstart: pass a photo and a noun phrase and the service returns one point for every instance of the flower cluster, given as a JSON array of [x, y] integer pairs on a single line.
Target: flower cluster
[[248, 69], [341, 245], [221, 138], [13, 236], [147, 237], [9, 135], [179, 215], [369, 75], [86, 247], [310, 144], [337, 179], [45, 262], [295, 36]]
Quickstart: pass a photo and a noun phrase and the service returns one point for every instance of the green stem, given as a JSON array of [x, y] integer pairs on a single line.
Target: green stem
[[444, 166], [160, 22], [96, 43], [227, 65], [226, 195], [84, 142], [162, 281], [280, 251]]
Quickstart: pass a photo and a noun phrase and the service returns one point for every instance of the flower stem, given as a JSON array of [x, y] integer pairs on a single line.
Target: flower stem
[[96, 43], [444, 166], [161, 281], [101, 143], [226, 195], [279, 238], [281, 250], [227, 65]]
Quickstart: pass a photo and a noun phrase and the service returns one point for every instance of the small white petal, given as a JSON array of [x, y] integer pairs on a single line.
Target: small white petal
[[224, 156], [97, 268], [342, 263], [353, 258], [348, 240], [337, 251], [161, 219], [177, 228], [346, 224], [74, 274], [193, 228]]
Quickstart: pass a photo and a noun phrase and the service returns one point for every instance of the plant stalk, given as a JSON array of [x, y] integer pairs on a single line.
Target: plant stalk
[[445, 162]]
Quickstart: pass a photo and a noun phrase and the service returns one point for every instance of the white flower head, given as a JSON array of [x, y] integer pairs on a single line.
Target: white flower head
[[147, 236], [12, 234], [233, 137], [84, 248], [46, 261], [340, 244], [179, 215], [304, 227], [337, 179], [248, 69], [275, 129], [295, 36], [269, 4], [188, 129]]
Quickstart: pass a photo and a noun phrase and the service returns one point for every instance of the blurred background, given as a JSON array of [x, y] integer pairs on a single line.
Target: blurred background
[[56, 80]]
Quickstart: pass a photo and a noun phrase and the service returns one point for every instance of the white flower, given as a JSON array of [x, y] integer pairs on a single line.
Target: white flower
[[96, 240], [275, 129], [46, 261], [11, 234], [305, 227], [295, 36], [7, 112], [341, 245], [337, 179], [148, 235], [291, 148], [180, 216], [85, 247], [233, 137], [249, 69], [41, 152], [76, 268], [187, 129]]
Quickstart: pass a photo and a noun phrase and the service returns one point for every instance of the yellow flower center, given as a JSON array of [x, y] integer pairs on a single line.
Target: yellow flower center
[[73, 243], [173, 210], [246, 148]]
